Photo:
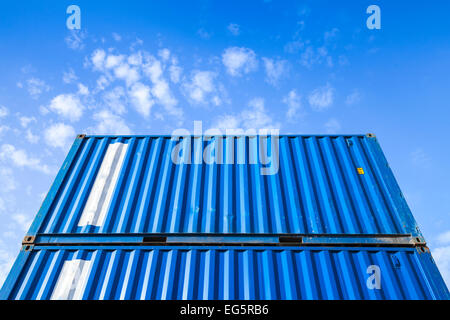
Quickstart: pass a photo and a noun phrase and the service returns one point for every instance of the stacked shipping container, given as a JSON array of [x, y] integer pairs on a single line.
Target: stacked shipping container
[[236, 217]]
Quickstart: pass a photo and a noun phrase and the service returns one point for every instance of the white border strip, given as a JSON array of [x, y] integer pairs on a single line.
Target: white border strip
[[94, 212], [72, 280]]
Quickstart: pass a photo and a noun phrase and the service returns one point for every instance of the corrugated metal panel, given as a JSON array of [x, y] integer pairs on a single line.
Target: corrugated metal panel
[[120, 209], [317, 188], [226, 273]]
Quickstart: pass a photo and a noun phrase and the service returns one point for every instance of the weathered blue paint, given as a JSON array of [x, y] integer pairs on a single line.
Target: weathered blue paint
[[317, 189], [229, 218], [14, 274], [246, 273]]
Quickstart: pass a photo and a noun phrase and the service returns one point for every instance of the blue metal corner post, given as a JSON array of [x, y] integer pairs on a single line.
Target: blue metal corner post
[[404, 211], [432, 274], [14, 274]]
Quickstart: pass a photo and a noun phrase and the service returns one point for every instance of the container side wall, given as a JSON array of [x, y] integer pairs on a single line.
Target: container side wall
[[315, 185], [247, 273]]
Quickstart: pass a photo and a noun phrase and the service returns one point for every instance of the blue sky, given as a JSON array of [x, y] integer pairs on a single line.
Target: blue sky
[[152, 67]]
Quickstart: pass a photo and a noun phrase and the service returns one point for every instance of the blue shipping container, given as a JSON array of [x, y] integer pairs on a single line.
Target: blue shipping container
[[201, 273], [318, 185], [235, 217]]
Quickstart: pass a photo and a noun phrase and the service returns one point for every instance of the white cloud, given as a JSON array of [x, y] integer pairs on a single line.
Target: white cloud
[[75, 39], [22, 220], [164, 54], [444, 238], [102, 83], [3, 129], [67, 106], [116, 36], [294, 46], [160, 89], [239, 61], [6, 262], [135, 59], [115, 99], [442, 257], [43, 110], [162, 93], [201, 88], [36, 87], [293, 101], [175, 73], [204, 34], [275, 69], [31, 138], [141, 94], [353, 98], [98, 59], [82, 89], [59, 135], [227, 122], [141, 99], [234, 28], [109, 123], [138, 42], [7, 179], [3, 111], [125, 72], [175, 70], [25, 121], [256, 116], [331, 35], [28, 69], [152, 68], [113, 61], [321, 98], [252, 118], [69, 76], [312, 56], [202, 83], [332, 126], [20, 158]]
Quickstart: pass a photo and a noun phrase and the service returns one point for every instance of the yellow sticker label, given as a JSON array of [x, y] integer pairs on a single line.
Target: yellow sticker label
[[360, 171]]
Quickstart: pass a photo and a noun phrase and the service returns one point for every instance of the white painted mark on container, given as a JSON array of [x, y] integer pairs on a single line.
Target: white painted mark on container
[[72, 280], [94, 213]]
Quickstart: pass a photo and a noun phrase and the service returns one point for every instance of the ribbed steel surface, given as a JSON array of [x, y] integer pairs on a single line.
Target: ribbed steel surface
[[317, 189], [226, 273]]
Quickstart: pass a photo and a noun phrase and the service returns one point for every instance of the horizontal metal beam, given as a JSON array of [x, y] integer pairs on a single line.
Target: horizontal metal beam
[[375, 240]]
